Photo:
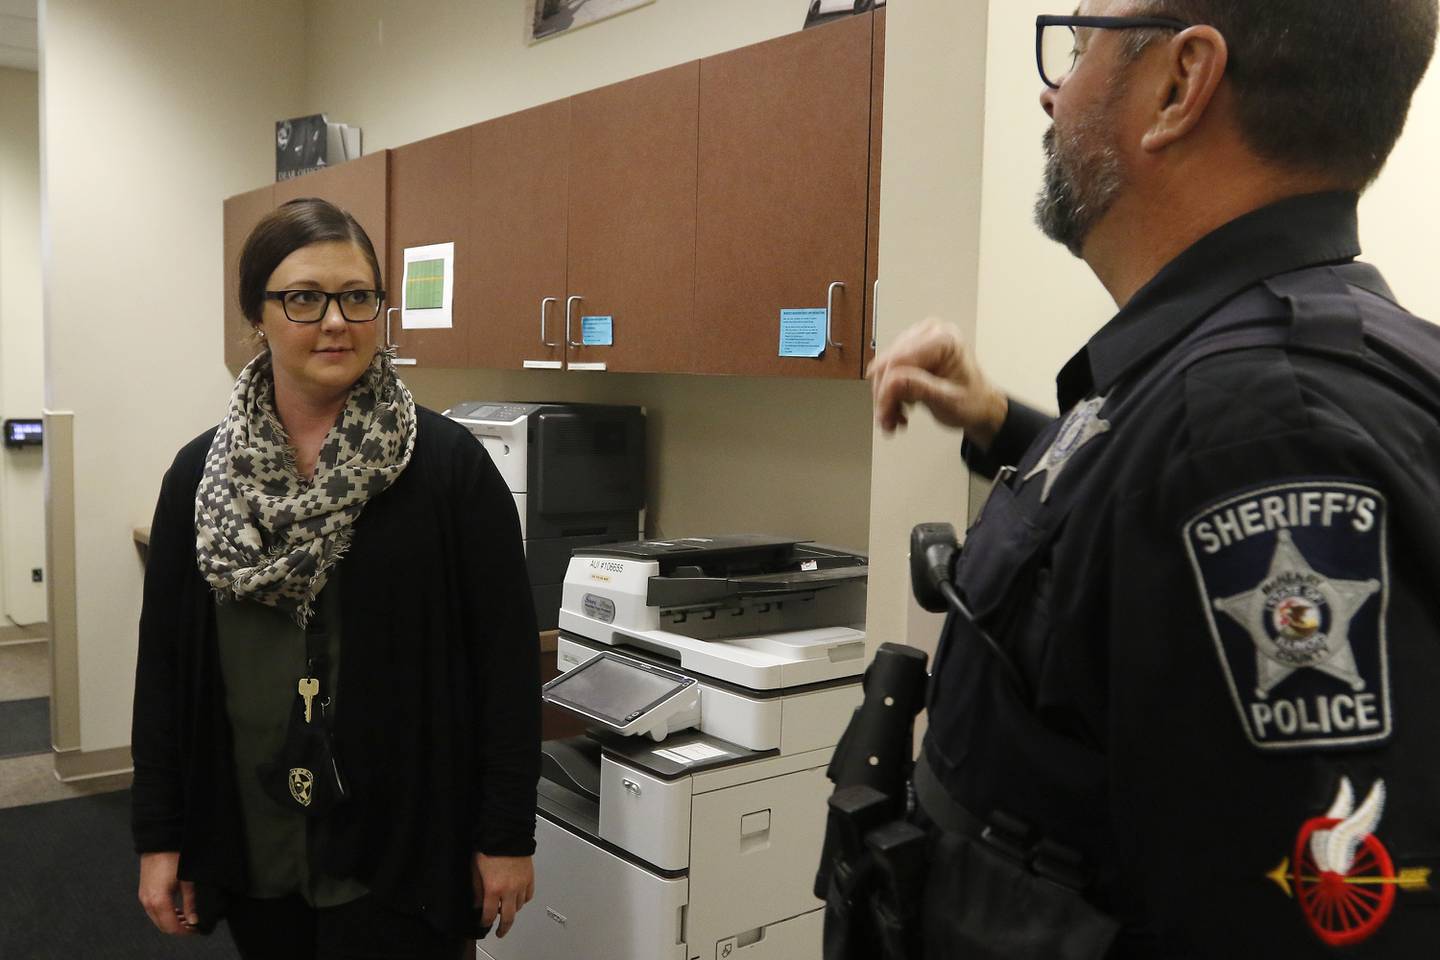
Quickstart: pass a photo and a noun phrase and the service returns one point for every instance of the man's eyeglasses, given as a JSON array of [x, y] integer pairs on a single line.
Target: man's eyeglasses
[[310, 306], [1059, 41]]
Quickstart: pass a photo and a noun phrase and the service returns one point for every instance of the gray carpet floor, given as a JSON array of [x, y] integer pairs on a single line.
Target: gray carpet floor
[[70, 888], [24, 727]]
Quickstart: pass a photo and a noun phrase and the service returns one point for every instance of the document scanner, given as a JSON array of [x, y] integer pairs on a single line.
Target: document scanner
[[717, 675]]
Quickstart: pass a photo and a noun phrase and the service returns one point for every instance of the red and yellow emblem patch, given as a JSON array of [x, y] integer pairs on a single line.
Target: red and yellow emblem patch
[[1342, 874]]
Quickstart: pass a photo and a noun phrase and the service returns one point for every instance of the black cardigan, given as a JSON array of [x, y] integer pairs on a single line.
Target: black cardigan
[[439, 725]]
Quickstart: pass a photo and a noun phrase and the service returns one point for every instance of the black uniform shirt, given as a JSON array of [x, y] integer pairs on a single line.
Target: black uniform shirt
[[1219, 581]]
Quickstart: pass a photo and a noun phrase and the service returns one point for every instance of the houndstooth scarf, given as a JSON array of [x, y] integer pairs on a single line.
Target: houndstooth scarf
[[265, 534]]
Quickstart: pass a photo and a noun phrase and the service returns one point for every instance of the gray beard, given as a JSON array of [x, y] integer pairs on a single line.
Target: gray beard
[[1080, 187]]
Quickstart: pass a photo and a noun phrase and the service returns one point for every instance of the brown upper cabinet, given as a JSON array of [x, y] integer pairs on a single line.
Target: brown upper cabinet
[[632, 222], [582, 216], [519, 193], [784, 199], [681, 212], [429, 188], [872, 233]]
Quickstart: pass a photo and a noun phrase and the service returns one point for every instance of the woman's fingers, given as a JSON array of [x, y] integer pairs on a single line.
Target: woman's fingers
[[158, 885], [189, 916], [163, 914], [508, 908]]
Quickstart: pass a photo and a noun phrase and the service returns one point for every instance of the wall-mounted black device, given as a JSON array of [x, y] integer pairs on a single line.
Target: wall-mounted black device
[[24, 433]]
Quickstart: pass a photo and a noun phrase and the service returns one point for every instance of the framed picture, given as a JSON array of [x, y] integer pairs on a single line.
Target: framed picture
[[823, 11], [551, 18]]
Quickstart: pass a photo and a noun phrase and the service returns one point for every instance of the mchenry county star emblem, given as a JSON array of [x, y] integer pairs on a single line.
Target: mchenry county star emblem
[[1293, 580], [1081, 425], [1299, 619]]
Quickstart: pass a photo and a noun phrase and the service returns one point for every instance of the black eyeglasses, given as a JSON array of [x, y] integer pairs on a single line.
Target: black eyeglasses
[[310, 306], [1057, 46]]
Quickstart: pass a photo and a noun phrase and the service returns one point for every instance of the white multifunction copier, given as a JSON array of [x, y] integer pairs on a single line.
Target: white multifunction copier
[[717, 674]]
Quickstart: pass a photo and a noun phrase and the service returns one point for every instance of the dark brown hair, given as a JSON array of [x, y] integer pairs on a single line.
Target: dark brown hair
[[1320, 85], [293, 225]]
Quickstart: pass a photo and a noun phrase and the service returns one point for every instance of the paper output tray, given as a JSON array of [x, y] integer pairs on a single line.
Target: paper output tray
[[694, 591]]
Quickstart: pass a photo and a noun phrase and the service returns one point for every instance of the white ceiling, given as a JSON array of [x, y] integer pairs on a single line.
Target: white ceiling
[[18, 45]]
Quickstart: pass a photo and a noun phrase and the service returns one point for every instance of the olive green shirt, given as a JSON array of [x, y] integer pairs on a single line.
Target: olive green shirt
[[262, 659]]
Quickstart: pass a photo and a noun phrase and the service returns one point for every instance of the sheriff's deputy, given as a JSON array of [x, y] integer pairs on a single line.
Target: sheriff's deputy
[[1215, 574]]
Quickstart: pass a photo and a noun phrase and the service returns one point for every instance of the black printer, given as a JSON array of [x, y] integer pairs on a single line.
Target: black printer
[[577, 472]]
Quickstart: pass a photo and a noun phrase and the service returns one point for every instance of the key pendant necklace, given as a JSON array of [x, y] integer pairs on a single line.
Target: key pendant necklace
[[309, 688]]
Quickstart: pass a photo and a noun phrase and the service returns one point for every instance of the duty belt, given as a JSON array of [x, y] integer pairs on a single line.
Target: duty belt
[[1009, 836]]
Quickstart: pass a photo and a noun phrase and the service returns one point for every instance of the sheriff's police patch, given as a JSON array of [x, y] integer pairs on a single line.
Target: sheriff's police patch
[[1294, 583]]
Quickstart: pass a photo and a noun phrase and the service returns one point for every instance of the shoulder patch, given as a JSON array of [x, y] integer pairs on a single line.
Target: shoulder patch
[[1294, 583], [1342, 874]]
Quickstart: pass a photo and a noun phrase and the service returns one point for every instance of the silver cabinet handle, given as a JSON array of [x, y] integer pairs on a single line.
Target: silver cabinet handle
[[875, 316], [544, 306], [390, 344], [631, 785], [829, 310], [570, 302]]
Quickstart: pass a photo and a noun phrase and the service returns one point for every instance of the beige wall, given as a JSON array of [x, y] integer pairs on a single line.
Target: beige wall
[[1038, 305], [1400, 215], [929, 248], [789, 457], [152, 112], [403, 77], [22, 527]]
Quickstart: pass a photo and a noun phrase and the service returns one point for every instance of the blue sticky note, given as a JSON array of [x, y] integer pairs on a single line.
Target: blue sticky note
[[597, 331], [802, 333]]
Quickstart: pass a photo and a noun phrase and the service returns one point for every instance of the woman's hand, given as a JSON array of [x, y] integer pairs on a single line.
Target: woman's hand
[[502, 886], [158, 882]]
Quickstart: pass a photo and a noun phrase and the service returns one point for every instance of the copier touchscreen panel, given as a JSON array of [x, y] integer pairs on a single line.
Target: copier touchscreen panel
[[614, 690]]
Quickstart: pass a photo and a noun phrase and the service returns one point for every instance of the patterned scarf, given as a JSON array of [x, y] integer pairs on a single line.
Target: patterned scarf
[[263, 533]]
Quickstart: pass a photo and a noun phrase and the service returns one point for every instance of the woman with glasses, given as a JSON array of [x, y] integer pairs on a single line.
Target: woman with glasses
[[336, 730]]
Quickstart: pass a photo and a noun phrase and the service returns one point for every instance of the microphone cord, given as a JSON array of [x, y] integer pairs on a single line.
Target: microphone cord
[[1012, 673]]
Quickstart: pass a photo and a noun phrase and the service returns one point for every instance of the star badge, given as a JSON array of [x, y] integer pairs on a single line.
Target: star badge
[[1082, 424], [1299, 619]]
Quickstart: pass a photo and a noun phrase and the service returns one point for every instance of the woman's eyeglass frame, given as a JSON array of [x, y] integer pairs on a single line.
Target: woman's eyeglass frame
[[1095, 23], [281, 295]]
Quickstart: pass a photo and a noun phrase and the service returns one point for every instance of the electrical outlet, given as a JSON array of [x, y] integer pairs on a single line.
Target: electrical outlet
[[37, 575]]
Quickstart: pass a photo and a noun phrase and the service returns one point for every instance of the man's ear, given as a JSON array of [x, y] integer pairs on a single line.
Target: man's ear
[[1195, 62]]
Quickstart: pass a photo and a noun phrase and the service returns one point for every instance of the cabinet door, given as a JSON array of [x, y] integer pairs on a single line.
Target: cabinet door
[[872, 232], [783, 198], [358, 186], [242, 212], [429, 203], [519, 195], [632, 220]]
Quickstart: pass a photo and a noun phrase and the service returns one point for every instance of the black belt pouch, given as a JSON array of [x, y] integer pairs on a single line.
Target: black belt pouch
[[980, 904]]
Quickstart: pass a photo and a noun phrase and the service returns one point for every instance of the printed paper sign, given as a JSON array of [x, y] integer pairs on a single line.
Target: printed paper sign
[[597, 331], [802, 332], [427, 292]]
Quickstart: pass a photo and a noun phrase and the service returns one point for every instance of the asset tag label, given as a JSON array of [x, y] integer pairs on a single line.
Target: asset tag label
[[1294, 583]]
